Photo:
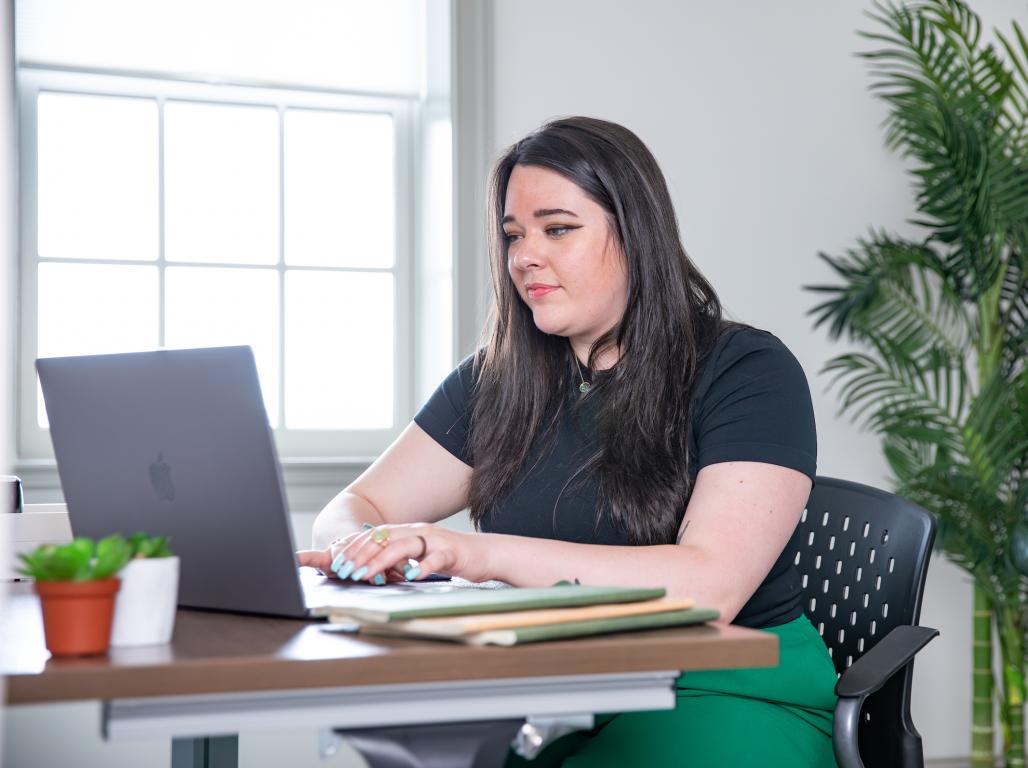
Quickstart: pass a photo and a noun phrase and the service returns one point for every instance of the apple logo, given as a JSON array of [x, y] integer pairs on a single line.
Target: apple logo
[[160, 478]]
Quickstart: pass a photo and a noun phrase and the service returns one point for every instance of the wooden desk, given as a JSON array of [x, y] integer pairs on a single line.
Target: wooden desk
[[223, 673]]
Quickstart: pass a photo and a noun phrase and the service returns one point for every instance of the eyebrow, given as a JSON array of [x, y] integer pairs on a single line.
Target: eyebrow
[[542, 213]]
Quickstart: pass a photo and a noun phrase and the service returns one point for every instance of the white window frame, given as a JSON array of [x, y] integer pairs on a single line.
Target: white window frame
[[459, 85], [34, 442]]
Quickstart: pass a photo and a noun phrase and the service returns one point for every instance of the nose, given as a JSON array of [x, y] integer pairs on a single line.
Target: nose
[[524, 255]]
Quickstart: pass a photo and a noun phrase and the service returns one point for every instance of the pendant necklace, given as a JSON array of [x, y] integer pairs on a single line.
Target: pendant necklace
[[585, 386]]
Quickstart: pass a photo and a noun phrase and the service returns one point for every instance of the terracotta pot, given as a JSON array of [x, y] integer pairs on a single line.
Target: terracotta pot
[[77, 615]]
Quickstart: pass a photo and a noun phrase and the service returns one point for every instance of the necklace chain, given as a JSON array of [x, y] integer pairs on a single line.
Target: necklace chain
[[585, 386]]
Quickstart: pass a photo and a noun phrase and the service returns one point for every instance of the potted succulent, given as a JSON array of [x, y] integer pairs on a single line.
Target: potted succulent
[[144, 611], [76, 584]]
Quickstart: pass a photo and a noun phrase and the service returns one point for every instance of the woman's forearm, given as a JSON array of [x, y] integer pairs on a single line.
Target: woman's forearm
[[683, 570], [344, 514]]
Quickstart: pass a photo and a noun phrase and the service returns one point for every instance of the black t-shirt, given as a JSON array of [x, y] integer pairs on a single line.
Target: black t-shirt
[[750, 403]]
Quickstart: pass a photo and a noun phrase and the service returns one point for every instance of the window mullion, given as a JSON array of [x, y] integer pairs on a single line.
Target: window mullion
[[281, 269], [161, 263]]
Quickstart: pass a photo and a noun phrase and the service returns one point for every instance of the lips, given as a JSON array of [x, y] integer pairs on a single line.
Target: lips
[[538, 290]]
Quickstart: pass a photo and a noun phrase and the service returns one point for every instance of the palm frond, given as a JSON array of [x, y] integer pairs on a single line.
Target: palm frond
[[913, 398], [907, 457], [1017, 56], [951, 111], [1013, 308], [971, 523], [896, 290], [994, 435]]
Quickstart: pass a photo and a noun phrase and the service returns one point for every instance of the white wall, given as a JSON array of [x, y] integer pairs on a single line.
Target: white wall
[[760, 118], [8, 239], [8, 260]]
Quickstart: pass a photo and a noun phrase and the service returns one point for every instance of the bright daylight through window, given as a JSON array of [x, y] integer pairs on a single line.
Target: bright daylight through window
[[178, 196]]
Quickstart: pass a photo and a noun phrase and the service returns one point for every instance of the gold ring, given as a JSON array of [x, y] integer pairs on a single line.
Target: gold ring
[[380, 536]]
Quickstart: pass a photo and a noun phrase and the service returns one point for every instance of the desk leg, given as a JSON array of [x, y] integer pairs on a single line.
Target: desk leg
[[210, 752], [452, 745]]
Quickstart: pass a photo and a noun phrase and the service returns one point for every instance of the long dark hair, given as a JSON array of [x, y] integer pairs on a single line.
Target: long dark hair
[[672, 320]]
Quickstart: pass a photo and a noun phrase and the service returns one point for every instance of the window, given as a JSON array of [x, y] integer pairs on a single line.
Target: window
[[160, 209]]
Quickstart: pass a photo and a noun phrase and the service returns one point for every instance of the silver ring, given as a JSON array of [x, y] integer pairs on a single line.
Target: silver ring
[[424, 549]]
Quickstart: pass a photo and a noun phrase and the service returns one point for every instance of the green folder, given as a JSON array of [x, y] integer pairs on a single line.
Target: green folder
[[368, 607], [521, 635], [601, 627]]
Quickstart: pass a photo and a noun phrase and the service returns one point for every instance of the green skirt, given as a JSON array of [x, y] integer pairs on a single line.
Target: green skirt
[[767, 717]]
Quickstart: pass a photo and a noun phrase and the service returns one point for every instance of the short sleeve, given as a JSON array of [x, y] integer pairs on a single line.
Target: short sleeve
[[754, 405], [446, 417]]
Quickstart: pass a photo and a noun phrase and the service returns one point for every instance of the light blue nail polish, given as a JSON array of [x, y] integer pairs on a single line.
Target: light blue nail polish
[[411, 572], [344, 571], [366, 526], [360, 573], [340, 559], [379, 580]]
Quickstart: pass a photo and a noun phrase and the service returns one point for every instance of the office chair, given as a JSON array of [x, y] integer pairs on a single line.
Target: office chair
[[863, 555]]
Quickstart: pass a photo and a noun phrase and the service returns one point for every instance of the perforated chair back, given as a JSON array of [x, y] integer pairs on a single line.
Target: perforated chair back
[[862, 555]]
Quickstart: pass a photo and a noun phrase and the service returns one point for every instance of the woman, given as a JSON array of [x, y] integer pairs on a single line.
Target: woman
[[616, 430]]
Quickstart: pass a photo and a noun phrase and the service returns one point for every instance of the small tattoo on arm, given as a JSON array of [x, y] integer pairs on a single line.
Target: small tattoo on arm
[[681, 533]]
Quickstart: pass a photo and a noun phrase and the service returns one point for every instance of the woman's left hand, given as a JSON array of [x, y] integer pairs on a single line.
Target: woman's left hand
[[414, 550]]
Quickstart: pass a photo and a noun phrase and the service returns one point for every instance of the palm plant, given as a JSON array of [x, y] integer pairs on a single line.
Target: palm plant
[[942, 320]]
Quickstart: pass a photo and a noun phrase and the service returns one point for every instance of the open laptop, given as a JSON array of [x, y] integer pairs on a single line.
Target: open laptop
[[177, 443]]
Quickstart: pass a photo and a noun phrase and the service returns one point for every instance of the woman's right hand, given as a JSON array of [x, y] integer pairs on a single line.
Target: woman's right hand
[[323, 559], [415, 481]]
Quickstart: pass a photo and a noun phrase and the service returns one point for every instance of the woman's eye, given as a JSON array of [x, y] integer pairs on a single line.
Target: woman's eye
[[558, 231], [510, 237]]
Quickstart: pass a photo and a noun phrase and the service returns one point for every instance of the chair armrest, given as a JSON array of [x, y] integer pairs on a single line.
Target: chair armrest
[[867, 674], [893, 652]]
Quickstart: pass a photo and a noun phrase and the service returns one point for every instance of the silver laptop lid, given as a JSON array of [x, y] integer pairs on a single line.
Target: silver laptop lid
[[177, 443]]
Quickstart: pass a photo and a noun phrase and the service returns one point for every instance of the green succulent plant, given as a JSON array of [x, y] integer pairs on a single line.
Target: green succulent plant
[[144, 545], [78, 560]]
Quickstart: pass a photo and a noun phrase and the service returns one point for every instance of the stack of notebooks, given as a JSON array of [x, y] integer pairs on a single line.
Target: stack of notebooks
[[513, 616]]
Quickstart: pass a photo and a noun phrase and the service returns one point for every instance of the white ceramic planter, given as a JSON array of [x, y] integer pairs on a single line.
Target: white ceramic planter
[[144, 611]]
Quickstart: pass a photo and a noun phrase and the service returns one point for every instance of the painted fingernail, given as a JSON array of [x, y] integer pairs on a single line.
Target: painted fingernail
[[366, 526], [345, 570], [379, 580], [360, 573], [411, 572], [340, 559]]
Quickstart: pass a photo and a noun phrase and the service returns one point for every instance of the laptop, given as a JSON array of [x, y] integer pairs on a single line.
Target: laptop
[[177, 443]]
